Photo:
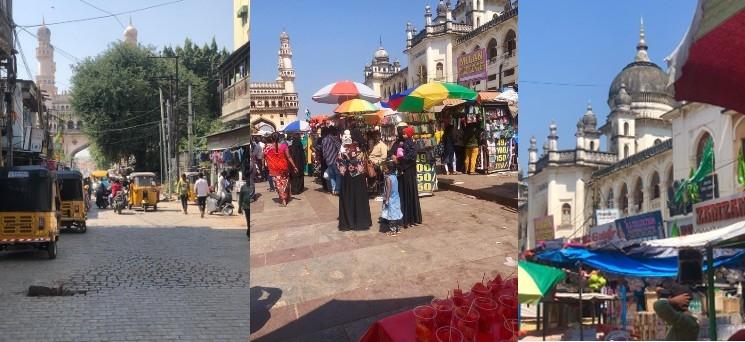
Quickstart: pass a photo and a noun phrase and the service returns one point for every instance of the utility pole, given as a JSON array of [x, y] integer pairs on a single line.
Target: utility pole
[[191, 133], [169, 130], [9, 94], [162, 136]]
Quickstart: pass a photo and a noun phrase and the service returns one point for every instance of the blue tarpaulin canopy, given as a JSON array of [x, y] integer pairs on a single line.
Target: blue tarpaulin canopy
[[619, 263]]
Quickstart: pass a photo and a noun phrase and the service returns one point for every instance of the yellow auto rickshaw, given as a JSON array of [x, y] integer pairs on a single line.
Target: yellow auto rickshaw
[[29, 204], [192, 177], [73, 207], [143, 191]]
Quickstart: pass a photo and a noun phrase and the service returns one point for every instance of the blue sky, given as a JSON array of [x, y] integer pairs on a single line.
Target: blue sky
[[586, 44], [331, 40], [166, 25]]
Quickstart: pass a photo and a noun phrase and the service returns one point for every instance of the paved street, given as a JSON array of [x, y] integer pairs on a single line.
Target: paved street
[[311, 282], [148, 277]]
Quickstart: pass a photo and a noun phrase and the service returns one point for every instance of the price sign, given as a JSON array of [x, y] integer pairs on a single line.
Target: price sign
[[503, 154], [426, 177]]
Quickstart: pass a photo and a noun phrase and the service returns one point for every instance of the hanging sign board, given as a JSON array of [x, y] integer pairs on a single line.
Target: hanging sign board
[[717, 213], [647, 226], [426, 177], [604, 216], [544, 228], [472, 66], [602, 233]]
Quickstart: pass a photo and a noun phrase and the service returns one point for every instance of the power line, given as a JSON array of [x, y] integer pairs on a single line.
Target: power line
[[23, 56], [563, 84], [104, 16], [103, 10], [124, 128], [62, 52]]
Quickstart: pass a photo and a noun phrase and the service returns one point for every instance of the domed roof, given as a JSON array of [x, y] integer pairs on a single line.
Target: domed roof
[[641, 77], [43, 31], [589, 120], [284, 35], [381, 53]]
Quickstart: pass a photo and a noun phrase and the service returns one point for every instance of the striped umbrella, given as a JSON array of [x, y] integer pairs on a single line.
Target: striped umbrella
[[355, 106], [709, 64], [395, 100], [433, 94], [339, 92], [534, 281]]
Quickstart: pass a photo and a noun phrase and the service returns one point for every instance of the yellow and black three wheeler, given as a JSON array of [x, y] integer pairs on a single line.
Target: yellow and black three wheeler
[[191, 177], [143, 191], [29, 204], [73, 208]]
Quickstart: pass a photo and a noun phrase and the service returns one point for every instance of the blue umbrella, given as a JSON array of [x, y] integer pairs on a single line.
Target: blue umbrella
[[296, 126]]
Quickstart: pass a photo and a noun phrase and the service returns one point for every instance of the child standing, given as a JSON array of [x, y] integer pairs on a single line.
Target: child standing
[[391, 212]]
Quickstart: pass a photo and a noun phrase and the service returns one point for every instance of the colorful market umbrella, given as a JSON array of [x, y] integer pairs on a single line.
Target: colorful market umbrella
[[355, 106], [535, 280], [376, 117], [339, 92], [296, 126], [709, 64], [433, 94], [395, 100]]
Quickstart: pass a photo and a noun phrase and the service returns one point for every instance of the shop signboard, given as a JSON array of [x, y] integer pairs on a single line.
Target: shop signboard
[[708, 189], [554, 244], [503, 155], [681, 226], [604, 216], [647, 226], [603, 233], [544, 228], [426, 176], [718, 213], [472, 66]]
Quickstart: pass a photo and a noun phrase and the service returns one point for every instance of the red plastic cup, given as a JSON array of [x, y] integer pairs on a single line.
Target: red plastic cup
[[462, 299], [509, 331], [488, 313], [480, 290], [449, 334], [508, 306], [444, 308], [424, 316], [467, 321], [495, 286]]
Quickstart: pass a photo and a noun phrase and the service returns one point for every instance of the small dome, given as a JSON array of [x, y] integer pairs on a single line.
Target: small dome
[[589, 120], [284, 35], [622, 97], [43, 32], [442, 8], [381, 53]]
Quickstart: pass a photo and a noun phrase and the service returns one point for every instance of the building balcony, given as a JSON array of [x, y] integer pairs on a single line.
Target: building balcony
[[507, 60], [506, 15], [235, 100]]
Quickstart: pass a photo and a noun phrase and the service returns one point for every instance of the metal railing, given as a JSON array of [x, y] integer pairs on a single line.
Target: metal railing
[[238, 89], [506, 15]]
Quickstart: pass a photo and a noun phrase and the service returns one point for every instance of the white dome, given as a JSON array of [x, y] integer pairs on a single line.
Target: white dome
[[381, 53], [130, 30]]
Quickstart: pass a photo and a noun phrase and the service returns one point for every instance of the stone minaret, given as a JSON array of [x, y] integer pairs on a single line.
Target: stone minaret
[[130, 34], [286, 72], [46, 67], [532, 156]]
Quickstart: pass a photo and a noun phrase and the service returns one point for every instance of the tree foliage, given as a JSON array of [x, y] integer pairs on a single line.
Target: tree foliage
[[116, 94]]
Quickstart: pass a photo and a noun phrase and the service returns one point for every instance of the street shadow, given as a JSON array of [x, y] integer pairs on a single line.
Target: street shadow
[[261, 305], [336, 313]]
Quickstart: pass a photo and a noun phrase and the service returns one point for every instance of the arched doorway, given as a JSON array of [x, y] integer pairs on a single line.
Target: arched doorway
[[623, 199], [638, 196]]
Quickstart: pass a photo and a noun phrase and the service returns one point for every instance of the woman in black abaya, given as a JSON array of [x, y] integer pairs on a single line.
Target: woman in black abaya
[[407, 183], [297, 152], [354, 207]]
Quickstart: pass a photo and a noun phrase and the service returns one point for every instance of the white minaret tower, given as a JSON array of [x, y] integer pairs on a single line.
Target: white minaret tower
[[130, 34], [45, 56], [532, 156], [286, 72]]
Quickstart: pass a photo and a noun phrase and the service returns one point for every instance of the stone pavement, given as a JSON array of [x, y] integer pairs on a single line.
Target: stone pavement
[[497, 187], [155, 276], [311, 282]]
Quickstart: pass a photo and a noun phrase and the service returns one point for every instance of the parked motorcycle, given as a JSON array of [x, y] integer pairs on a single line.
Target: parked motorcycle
[[120, 201], [102, 197], [224, 204]]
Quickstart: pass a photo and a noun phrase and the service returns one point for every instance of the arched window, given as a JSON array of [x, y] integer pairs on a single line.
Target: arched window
[[623, 200], [510, 43], [655, 185], [423, 74], [610, 203], [70, 125], [626, 128], [491, 49], [700, 147], [439, 71], [638, 195], [478, 22], [592, 146], [79, 124], [566, 214], [626, 151]]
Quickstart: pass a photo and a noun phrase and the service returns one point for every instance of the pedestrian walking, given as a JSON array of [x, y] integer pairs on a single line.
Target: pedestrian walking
[[183, 192], [278, 161], [320, 160], [407, 182], [331, 146], [297, 179], [460, 148], [245, 197], [390, 214], [202, 189], [354, 207], [448, 151]]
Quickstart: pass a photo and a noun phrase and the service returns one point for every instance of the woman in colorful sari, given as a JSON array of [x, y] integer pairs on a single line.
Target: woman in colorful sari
[[279, 161]]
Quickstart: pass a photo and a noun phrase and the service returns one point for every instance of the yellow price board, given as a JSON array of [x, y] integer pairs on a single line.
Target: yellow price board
[[426, 176]]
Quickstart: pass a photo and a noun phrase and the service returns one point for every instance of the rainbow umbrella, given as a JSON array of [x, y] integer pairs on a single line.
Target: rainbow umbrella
[[395, 100], [709, 64], [355, 106], [433, 94], [535, 280], [339, 92]]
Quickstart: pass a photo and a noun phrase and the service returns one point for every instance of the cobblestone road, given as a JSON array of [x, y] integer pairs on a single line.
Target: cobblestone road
[[152, 276]]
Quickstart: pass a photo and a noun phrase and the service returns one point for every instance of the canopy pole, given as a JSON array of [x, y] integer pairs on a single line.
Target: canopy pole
[[712, 310], [581, 285]]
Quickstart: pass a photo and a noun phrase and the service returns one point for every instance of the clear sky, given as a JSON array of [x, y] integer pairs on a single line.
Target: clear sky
[[331, 40], [585, 44], [165, 25]]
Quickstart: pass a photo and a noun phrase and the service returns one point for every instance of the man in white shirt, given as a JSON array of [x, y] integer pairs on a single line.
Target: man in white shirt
[[202, 189]]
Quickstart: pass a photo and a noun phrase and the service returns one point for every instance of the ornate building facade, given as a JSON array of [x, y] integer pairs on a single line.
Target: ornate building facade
[[488, 27], [275, 104], [566, 187]]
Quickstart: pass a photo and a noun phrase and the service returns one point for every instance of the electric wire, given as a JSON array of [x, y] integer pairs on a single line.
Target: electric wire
[[103, 10], [23, 56], [104, 16], [63, 53]]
